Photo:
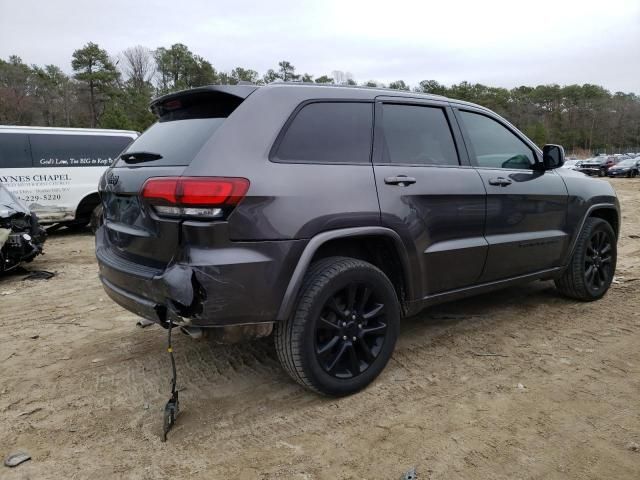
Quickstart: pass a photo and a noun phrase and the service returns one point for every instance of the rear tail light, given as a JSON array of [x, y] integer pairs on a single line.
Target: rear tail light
[[194, 197]]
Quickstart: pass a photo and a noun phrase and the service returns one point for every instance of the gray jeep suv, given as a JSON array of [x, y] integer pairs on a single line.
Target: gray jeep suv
[[329, 213]]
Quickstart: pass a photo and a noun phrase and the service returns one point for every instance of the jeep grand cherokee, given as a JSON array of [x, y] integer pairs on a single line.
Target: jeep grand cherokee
[[333, 212]]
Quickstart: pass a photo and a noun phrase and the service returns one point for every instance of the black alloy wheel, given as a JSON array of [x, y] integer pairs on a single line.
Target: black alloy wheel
[[598, 261], [344, 328], [350, 331], [590, 271]]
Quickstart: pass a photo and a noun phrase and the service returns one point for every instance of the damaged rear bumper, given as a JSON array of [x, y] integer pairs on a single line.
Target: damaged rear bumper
[[241, 283]]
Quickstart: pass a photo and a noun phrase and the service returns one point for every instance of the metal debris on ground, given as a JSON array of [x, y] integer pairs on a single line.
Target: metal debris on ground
[[15, 459], [143, 323], [40, 275], [410, 474]]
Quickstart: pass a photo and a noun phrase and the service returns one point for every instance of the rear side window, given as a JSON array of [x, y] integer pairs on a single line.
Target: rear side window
[[328, 132], [417, 135], [14, 150], [494, 145], [55, 150]]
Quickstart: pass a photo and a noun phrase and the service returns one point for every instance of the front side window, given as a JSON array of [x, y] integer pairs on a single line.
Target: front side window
[[494, 145], [328, 132], [14, 150], [417, 135]]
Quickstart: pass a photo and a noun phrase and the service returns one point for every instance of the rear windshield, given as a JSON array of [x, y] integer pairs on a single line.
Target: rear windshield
[[178, 141]]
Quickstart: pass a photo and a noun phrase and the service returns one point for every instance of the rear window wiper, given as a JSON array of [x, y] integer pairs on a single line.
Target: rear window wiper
[[139, 157]]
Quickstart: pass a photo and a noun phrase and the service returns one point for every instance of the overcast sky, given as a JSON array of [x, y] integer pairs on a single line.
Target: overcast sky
[[500, 43]]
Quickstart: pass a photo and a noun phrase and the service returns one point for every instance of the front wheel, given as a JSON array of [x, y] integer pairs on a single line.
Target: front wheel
[[602, 172], [344, 329], [593, 264]]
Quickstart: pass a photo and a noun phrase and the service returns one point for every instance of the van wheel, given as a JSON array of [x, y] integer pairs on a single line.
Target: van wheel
[[344, 329], [96, 219], [593, 264]]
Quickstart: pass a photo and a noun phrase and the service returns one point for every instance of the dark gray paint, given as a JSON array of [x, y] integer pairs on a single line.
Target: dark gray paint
[[456, 235]]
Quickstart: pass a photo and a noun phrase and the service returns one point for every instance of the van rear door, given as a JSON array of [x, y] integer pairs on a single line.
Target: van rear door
[[66, 170]]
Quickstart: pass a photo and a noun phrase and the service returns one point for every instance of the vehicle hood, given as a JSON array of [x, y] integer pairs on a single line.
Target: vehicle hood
[[587, 189], [569, 172]]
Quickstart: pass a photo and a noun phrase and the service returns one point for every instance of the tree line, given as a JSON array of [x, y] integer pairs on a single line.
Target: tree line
[[114, 92]]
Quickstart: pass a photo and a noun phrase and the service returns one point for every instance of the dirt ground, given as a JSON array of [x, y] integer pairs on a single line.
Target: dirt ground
[[518, 384]]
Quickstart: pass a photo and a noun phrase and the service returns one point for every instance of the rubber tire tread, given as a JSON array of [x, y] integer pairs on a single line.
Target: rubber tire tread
[[288, 334], [572, 282]]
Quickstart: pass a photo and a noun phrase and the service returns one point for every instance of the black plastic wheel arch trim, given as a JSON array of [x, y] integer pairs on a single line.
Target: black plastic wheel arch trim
[[590, 210], [289, 299]]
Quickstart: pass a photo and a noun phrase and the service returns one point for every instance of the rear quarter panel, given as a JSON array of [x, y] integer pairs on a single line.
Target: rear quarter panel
[[285, 200]]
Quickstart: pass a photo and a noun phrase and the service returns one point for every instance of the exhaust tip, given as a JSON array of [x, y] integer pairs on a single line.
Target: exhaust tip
[[195, 333]]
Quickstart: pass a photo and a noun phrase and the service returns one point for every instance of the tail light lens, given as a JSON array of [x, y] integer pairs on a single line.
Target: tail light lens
[[194, 197]]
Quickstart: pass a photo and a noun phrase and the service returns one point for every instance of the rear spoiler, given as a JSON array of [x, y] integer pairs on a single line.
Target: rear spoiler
[[171, 102]]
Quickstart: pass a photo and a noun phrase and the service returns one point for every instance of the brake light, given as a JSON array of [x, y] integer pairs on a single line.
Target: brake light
[[207, 197]]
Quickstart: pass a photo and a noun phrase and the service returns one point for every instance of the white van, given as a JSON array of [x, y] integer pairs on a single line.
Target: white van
[[55, 171]]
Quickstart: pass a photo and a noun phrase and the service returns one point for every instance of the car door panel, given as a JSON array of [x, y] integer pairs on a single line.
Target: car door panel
[[440, 216], [526, 224], [525, 227]]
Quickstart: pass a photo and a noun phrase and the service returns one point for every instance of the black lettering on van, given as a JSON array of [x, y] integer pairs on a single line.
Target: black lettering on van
[[15, 178]]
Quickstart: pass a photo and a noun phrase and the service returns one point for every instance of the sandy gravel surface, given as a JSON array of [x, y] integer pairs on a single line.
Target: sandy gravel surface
[[82, 388]]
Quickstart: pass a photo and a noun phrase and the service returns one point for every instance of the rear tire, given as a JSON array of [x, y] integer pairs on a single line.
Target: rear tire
[[593, 264], [344, 329]]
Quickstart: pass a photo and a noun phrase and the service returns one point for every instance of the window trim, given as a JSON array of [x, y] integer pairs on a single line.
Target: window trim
[[491, 115], [456, 136], [285, 127]]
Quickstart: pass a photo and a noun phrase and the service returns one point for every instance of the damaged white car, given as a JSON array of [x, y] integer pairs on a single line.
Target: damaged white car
[[21, 237]]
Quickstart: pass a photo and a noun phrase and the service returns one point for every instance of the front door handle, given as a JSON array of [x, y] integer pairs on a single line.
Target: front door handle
[[401, 180], [500, 182]]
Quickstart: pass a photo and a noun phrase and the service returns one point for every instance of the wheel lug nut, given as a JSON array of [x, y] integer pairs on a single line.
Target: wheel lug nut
[[344, 338], [353, 317], [359, 325], [344, 324], [354, 339]]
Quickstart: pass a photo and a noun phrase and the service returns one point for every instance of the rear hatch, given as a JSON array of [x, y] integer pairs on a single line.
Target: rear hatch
[[186, 121]]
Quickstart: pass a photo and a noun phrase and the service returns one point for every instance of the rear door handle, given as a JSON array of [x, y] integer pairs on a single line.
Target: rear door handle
[[401, 180], [500, 182]]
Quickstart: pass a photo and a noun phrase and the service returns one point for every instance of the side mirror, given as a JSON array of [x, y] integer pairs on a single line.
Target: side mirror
[[552, 156]]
